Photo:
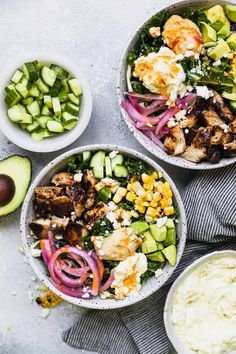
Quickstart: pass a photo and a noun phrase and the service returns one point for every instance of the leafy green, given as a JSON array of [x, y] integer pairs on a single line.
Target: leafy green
[[76, 163], [126, 205], [132, 56], [152, 268], [102, 227], [137, 86], [137, 167]]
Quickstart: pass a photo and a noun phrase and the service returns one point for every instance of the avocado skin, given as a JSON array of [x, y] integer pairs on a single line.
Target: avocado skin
[[17, 202], [230, 11]]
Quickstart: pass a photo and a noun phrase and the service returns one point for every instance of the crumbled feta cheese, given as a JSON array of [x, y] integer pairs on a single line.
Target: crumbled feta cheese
[[45, 313], [161, 222], [91, 276], [104, 295], [101, 252], [171, 123], [186, 131], [112, 206], [58, 237], [217, 63], [54, 226], [78, 177], [202, 91], [85, 296], [85, 289], [225, 127], [72, 213], [126, 222], [189, 88], [113, 154], [155, 32], [189, 53], [180, 114], [14, 293]]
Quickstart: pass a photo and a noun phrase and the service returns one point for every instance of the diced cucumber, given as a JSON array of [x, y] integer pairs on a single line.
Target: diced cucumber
[[27, 100], [22, 89], [45, 111], [54, 91], [66, 85], [229, 96], [59, 71], [27, 119], [33, 108], [98, 172], [56, 106], [12, 98], [70, 125], [98, 159], [233, 106], [108, 166], [28, 84], [32, 127], [16, 113], [63, 106], [67, 117], [63, 95], [72, 109], [40, 134], [47, 101], [17, 76], [42, 120], [23, 125], [75, 87], [10, 87], [74, 99], [120, 171], [54, 126], [30, 71], [86, 156], [48, 76], [37, 65], [41, 86], [34, 91], [117, 160]]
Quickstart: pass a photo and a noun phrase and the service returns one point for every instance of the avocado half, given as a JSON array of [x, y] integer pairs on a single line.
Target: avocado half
[[16, 169]]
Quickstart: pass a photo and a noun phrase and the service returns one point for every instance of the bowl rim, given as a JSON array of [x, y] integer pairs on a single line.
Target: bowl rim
[[170, 330], [10, 130], [110, 303], [140, 137]]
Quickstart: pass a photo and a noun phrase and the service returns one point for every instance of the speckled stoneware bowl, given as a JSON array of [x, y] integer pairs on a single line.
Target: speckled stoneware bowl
[[27, 214], [177, 8], [170, 329]]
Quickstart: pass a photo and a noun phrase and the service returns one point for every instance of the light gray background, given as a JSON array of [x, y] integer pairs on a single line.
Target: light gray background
[[92, 33]]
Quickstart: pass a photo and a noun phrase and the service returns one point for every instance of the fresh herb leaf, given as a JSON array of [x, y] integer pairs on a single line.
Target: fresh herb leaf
[[126, 205], [137, 86], [102, 227], [137, 167], [132, 56], [152, 268], [75, 163]]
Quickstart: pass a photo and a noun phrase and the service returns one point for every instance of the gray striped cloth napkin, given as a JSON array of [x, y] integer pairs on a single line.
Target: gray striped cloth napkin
[[139, 329]]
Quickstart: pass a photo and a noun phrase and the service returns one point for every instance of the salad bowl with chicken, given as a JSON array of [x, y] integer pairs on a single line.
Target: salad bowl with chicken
[[103, 226], [177, 84]]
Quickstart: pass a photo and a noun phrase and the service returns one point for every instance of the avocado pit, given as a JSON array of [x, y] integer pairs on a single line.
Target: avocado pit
[[7, 189]]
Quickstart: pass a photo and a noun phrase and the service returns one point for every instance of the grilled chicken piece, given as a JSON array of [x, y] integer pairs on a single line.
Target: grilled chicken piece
[[232, 127], [78, 196], [90, 201], [119, 245], [89, 181], [223, 111], [60, 206], [47, 192], [97, 212], [217, 136], [189, 122], [63, 179], [175, 140], [211, 118], [41, 226], [74, 234], [195, 154], [231, 147], [202, 137]]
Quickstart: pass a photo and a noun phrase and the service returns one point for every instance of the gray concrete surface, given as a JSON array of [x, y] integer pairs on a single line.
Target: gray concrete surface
[[92, 33]]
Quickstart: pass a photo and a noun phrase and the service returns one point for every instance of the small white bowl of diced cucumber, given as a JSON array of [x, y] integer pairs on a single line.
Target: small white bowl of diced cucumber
[[46, 103]]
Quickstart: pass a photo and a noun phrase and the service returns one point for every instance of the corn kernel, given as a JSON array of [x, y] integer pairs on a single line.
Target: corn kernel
[[129, 187], [156, 197], [169, 210], [138, 189], [164, 203], [134, 214], [151, 212], [138, 201], [120, 193], [131, 196], [146, 178], [148, 186], [145, 204], [153, 204], [149, 196], [169, 201], [155, 175], [141, 209]]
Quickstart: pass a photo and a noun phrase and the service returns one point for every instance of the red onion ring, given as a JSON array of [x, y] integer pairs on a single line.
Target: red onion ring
[[100, 264], [108, 283], [46, 250], [74, 292], [64, 279]]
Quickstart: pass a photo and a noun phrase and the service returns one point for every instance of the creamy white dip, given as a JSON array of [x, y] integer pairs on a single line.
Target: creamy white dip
[[204, 307]]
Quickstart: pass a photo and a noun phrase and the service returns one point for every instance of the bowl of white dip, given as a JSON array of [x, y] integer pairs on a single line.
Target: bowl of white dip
[[200, 309]]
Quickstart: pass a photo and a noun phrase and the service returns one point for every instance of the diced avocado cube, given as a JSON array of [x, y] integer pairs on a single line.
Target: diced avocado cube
[[231, 41], [160, 246], [216, 17], [225, 30], [208, 33], [159, 233], [233, 106], [148, 244], [230, 11], [171, 254], [139, 227], [170, 224], [156, 257], [229, 96], [219, 50], [170, 238]]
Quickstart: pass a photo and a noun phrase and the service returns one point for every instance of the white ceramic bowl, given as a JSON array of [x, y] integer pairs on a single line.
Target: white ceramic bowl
[[177, 8], [27, 214], [22, 138], [170, 329]]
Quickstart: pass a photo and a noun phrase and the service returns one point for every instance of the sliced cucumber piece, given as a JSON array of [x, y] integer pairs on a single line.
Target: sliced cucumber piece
[[27, 100], [63, 95], [28, 84], [37, 65], [108, 168], [47, 101], [54, 126], [27, 119], [56, 106], [48, 76], [74, 99], [66, 85], [41, 86], [42, 120], [16, 113], [98, 159], [70, 125], [117, 160], [40, 134], [86, 156], [17, 76], [98, 172], [120, 171], [59, 71], [45, 111], [54, 91], [23, 125], [33, 108], [30, 71], [32, 127], [72, 109], [67, 117], [12, 98], [34, 91], [22, 89], [75, 87], [10, 87]]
